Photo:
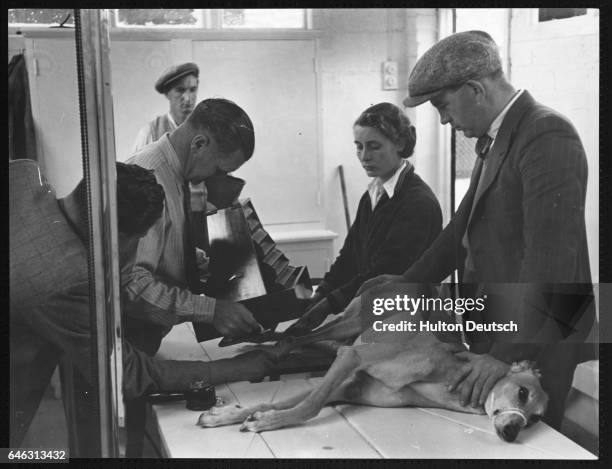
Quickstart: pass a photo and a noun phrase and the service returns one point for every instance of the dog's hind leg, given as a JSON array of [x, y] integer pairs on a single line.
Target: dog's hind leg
[[345, 364]]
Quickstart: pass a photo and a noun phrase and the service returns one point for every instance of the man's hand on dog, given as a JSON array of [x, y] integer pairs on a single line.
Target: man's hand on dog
[[475, 379], [380, 280]]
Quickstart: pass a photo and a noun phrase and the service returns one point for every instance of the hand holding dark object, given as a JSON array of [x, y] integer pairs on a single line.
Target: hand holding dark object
[[380, 280], [475, 379], [313, 316], [234, 319]]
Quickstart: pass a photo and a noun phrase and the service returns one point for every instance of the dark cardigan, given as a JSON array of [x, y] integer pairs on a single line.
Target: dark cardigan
[[384, 241]]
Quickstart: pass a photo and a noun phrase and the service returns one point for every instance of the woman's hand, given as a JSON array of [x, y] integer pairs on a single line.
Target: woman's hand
[[313, 316]]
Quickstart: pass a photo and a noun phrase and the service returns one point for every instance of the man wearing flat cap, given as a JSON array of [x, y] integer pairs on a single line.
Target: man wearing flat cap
[[519, 233], [179, 83]]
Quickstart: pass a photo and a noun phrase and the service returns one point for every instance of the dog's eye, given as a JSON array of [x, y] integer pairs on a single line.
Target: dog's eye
[[523, 394]]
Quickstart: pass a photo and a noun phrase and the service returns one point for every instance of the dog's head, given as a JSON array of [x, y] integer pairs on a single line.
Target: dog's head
[[516, 401]]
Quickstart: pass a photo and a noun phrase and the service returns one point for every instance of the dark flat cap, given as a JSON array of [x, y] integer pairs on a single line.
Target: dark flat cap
[[452, 61], [171, 74]]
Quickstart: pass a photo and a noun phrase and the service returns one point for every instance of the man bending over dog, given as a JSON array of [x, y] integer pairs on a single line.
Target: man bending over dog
[[520, 227]]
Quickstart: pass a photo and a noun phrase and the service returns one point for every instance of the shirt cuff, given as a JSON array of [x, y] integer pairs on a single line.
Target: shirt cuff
[[204, 308]]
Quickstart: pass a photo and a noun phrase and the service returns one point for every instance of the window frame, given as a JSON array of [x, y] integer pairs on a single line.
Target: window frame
[[211, 20], [164, 33]]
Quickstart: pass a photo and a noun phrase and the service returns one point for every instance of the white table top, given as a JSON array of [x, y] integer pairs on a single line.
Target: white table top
[[340, 431]]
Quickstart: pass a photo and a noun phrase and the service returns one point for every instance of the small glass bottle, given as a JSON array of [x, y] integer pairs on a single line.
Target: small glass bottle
[[200, 396]]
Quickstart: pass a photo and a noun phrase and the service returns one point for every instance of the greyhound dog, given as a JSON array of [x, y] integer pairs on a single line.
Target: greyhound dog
[[391, 370]]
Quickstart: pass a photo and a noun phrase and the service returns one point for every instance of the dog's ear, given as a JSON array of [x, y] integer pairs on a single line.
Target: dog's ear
[[537, 373], [525, 365], [517, 367]]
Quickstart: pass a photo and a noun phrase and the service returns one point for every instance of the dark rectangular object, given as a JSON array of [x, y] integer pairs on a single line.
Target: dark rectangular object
[[246, 266], [232, 256]]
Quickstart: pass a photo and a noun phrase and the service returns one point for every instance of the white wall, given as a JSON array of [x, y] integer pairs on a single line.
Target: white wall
[[432, 151], [558, 62]]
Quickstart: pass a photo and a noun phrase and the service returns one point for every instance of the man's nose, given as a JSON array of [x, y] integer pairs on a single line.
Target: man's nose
[[444, 119]]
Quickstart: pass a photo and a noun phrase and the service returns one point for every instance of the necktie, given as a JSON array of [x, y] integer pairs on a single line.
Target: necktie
[[191, 270], [483, 144], [482, 149]]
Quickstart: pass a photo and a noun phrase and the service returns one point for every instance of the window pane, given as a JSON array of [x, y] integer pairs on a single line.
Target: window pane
[[263, 18], [547, 14], [19, 16], [159, 17]]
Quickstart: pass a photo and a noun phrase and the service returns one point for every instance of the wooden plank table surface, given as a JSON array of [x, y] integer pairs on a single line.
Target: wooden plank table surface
[[340, 431]]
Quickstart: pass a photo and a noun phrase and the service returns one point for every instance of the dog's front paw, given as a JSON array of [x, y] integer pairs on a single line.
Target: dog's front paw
[[218, 416], [257, 422], [271, 420]]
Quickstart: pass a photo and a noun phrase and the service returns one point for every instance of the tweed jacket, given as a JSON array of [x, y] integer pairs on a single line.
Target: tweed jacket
[[525, 222]]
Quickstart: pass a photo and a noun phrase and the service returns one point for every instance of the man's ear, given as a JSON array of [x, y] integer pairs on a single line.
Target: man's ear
[[477, 89], [200, 140]]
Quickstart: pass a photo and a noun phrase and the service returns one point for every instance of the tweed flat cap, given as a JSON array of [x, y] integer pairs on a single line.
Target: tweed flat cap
[[171, 74], [452, 61]]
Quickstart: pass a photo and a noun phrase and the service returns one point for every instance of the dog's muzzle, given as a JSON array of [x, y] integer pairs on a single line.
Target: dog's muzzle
[[509, 431]]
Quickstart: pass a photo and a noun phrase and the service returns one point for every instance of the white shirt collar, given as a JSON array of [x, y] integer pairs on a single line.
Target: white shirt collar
[[497, 122], [388, 185], [171, 119]]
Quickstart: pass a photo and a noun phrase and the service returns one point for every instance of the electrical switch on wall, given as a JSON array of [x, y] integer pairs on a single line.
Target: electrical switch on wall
[[389, 75]]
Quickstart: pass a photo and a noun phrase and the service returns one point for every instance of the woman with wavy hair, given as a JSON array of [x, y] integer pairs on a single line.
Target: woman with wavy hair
[[397, 219]]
